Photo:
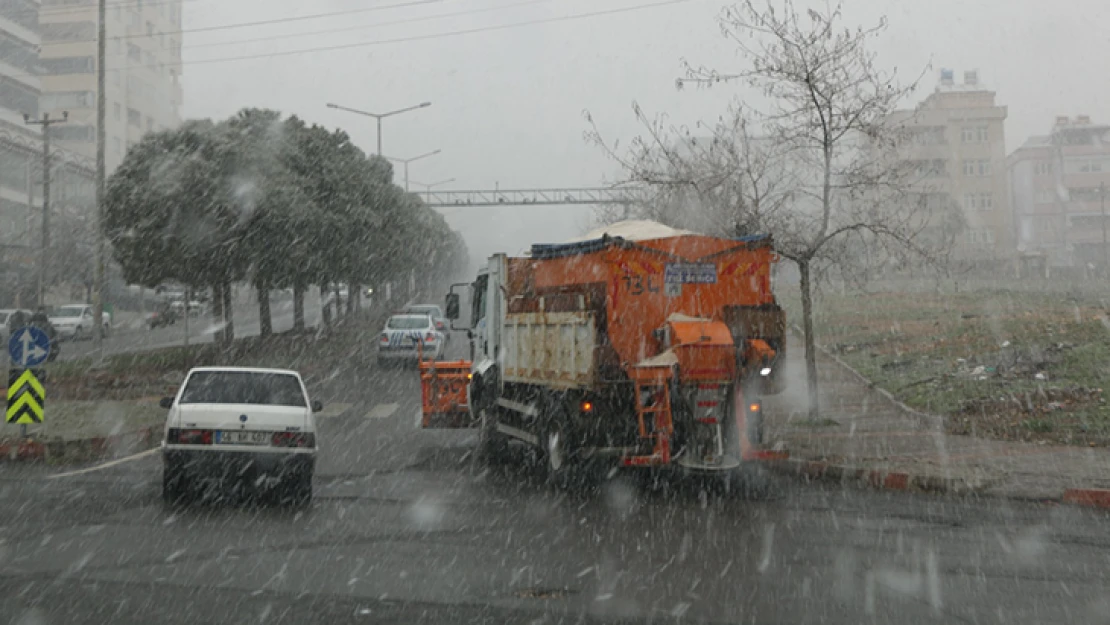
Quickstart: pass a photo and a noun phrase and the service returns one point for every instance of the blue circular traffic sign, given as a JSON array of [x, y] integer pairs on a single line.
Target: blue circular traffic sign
[[28, 347]]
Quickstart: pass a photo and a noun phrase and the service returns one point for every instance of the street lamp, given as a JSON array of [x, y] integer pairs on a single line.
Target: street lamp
[[428, 186], [406, 161], [379, 116]]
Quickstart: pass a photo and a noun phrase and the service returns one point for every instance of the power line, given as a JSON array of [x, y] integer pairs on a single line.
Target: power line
[[329, 31], [59, 10], [280, 20], [455, 33]]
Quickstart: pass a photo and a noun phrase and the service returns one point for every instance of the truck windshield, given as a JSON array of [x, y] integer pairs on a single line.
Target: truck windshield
[[243, 387]]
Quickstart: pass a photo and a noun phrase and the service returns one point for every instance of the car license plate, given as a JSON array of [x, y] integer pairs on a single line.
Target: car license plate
[[243, 438]]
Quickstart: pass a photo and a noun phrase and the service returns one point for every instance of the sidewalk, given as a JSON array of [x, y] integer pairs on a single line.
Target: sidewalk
[[864, 434]]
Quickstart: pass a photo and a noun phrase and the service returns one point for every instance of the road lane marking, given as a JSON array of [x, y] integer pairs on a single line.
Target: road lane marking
[[142, 454], [382, 411]]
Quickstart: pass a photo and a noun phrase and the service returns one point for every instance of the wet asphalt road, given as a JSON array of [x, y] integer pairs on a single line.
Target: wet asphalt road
[[407, 528]]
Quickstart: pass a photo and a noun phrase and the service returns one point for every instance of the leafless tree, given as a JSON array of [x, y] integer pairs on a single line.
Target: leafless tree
[[823, 176]]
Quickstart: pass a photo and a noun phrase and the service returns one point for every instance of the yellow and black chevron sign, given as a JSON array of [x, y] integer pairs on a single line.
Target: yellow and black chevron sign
[[26, 396]]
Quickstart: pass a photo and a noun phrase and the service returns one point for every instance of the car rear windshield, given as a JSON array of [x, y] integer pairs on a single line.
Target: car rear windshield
[[243, 387], [408, 323], [69, 311], [424, 310]]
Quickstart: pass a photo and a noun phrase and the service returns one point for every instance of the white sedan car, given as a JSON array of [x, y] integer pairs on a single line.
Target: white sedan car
[[254, 426], [407, 335]]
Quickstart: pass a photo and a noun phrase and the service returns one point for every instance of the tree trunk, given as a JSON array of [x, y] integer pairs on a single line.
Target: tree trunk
[[325, 306], [217, 306], [229, 314], [353, 297], [298, 307], [265, 323], [807, 330]]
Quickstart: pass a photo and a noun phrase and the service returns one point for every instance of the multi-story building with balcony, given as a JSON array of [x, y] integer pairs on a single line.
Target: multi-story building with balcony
[[1059, 185], [957, 145], [143, 70]]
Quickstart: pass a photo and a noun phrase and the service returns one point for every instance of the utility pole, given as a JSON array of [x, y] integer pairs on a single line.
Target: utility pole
[[1102, 203], [101, 140], [45, 122]]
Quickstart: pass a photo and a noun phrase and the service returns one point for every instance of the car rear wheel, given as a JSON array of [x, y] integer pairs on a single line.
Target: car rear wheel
[[299, 489], [174, 486]]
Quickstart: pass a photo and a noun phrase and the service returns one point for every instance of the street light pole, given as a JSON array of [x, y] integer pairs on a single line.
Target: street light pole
[[45, 122], [379, 116], [101, 173], [406, 162]]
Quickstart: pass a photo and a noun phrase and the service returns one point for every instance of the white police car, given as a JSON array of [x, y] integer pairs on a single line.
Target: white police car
[[406, 335], [254, 427]]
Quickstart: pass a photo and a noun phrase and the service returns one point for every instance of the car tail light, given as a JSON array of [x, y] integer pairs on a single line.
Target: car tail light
[[190, 437], [384, 340], [293, 439], [430, 338], [440, 325]]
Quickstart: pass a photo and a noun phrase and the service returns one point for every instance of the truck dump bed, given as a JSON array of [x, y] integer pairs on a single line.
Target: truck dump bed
[[580, 314]]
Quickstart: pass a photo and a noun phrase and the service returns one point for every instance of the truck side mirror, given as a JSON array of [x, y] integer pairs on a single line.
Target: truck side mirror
[[452, 306]]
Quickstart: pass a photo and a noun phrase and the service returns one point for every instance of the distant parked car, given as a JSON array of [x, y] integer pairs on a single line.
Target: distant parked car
[[75, 321]]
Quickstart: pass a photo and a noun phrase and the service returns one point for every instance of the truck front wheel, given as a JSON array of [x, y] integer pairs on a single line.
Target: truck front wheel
[[492, 446]]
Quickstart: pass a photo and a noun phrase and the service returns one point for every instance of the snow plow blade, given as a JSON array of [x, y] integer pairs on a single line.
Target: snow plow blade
[[443, 390]]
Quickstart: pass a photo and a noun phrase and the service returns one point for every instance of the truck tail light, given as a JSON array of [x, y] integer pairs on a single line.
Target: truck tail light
[[189, 437], [293, 439]]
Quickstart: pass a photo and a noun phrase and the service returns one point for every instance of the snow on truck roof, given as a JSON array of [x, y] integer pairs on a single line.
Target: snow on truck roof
[[632, 230]]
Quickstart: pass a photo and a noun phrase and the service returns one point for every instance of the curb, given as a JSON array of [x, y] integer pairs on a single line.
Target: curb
[[817, 470], [59, 451], [1089, 497]]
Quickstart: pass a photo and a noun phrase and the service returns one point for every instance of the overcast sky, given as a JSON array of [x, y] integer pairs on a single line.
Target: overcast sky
[[508, 103]]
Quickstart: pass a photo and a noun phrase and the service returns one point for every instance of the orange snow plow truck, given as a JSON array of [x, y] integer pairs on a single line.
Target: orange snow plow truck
[[641, 346]]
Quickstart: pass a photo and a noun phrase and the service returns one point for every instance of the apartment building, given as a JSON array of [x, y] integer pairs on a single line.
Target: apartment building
[[955, 140], [143, 68], [1059, 185]]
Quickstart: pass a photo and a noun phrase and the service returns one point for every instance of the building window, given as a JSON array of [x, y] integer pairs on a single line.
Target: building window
[[117, 111], [136, 21], [929, 135], [133, 117], [977, 167], [1042, 168], [1090, 166], [68, 99], [1084, 194], [68, 65], [978, 201], [174, 49], [117, 145], [22, 12], [149, 29], [74, 132], [1045, 196], [974, 134], [175, 15], [134, 53], [69, 31], [980, 237], [149, 124]]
